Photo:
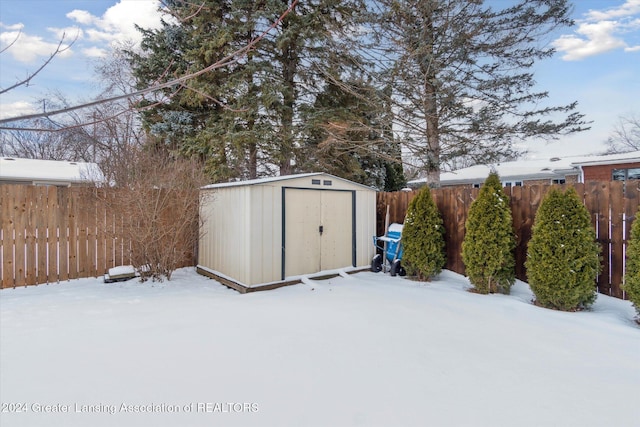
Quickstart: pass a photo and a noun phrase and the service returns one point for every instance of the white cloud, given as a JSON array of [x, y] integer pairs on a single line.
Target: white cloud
[[95, 52], [81, 17], [118, 22], [14, 27], [601, 31], [28, 48], [593, 39], [16, 109], [629, 8], [69, 33]]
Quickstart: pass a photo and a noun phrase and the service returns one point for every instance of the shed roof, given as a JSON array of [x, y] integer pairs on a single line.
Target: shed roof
[[267, 180], [17, 169]]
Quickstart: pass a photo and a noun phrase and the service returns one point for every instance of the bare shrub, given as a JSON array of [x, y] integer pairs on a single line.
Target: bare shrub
[[159, 212]]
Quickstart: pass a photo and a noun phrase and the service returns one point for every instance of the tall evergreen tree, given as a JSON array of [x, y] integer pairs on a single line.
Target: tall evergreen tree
[[632, 273], [563, 256], [244, 119], [347, 138], [462, 75], [423, 237], [489, 241]]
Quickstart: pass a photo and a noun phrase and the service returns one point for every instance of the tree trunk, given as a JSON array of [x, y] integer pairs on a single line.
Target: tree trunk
[[289, 69], [430, 101]]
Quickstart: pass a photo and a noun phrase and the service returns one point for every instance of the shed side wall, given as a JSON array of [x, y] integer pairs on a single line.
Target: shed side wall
[[226, 232]]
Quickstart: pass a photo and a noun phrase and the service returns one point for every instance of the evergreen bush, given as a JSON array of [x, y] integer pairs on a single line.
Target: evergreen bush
[[423, 237], [563, 256], [489, 241], [632, 274]]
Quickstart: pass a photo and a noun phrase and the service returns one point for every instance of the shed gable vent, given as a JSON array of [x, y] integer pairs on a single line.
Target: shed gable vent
[[315, 181], [327, 182]]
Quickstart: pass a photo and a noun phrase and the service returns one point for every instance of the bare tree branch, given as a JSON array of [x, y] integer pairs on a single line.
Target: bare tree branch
[[13, 42], [59, 49], [227, 60]]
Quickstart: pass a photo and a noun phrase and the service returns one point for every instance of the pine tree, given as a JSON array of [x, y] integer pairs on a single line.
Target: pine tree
[[489, 242], [462, 79], [344, 137], [632, 274], [423, 237], [563, 256], [243, 119]]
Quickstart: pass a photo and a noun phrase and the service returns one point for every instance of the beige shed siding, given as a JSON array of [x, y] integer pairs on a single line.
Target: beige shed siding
[[264, 247], [243, 227], [365, 226]]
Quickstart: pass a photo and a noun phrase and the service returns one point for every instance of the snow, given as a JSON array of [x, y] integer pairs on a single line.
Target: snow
[[363, 349], [49, 170], [395, 228], [122, 270]]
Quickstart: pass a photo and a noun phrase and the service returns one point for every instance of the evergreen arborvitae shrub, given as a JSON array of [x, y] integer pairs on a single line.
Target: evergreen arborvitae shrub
[[423, 237], [563, 257], [632, 275], [489, 241]]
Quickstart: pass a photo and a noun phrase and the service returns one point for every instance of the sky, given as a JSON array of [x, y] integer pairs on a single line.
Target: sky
[[597, 62]]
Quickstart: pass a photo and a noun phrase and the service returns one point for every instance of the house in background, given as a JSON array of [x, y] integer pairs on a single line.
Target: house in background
[[615, 167], [48, 172], [555, 170]]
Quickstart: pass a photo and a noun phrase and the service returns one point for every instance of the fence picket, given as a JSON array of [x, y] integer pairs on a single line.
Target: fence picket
[[6, 195], [41, 233], [30, 237], [616, 192], [19, 227]]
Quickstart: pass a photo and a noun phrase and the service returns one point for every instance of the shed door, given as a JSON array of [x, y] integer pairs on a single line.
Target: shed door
[[318, 230]]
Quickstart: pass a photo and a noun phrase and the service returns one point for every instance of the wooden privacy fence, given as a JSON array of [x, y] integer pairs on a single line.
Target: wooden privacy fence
[[612, 205], [49, 234]]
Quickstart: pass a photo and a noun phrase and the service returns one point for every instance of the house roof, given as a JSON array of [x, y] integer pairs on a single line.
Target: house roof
[[266, 180], [48, 171], [608, 159], [531, 169]]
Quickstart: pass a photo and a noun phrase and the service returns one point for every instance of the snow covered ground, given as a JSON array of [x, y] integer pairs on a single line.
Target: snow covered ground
[[366, 350]]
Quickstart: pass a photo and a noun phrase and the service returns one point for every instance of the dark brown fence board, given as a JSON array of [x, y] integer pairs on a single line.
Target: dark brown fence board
[[20, 225], [73, 238], [41, 232], [101, 241], [90, 208], [7, 236], [52, 233], [31, 268], [616, 191], [81, 239], [602, 208], [63, 235]]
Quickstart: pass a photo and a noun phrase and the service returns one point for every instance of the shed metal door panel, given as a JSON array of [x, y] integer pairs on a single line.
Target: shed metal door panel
[[302, 239], [336, 243], [307, 250]]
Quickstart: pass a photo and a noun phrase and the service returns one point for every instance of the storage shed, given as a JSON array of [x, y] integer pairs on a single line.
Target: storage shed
[[266, 233]]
